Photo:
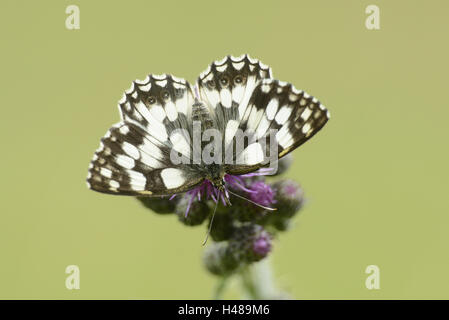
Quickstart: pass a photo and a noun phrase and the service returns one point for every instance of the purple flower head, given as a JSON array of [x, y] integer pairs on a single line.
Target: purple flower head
[[207, 191], [262, 244], [262, 193]]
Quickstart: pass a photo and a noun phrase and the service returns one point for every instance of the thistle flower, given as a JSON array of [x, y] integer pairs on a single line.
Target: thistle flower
[[262, 193], [239, 232], [259, 192], [289, 198]]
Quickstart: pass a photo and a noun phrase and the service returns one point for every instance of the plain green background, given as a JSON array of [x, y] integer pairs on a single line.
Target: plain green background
[[376, 177]]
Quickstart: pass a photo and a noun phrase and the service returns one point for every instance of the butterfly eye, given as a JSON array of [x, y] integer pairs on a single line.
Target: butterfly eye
[[165, 95], [211, 84], [238, 79], [224, 81], [151, 100]]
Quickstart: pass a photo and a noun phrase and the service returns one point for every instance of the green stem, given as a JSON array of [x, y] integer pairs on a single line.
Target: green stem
[[257, 281], [218, 294]]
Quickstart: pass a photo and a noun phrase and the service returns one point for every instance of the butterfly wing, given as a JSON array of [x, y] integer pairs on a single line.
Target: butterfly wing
[[257, 104], [134, 157], [227, 86]]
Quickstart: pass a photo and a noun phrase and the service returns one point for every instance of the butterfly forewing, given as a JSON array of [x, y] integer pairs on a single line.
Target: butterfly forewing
[[245, 99], [134, 157], [226, 87]]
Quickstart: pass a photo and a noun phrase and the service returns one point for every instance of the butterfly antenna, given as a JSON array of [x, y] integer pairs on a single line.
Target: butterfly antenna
[[212, 220], [255, 203]]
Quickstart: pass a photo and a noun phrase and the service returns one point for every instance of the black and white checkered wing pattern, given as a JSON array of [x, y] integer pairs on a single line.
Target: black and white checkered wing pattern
[[134, 155], [226, 88], [278, 113], [242, 90]]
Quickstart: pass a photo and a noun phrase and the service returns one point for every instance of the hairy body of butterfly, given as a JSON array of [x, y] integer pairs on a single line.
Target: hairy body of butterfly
[[232, 94]]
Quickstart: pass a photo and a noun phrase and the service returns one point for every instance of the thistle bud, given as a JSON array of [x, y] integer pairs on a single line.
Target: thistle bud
[[159, 205], [250, 243], [289, 197], [218, 260], [191, 213]]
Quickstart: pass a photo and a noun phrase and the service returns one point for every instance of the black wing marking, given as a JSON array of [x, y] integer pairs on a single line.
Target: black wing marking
[[160, 105], [226, 87], [134, 156], [131, 162], [292, 115]]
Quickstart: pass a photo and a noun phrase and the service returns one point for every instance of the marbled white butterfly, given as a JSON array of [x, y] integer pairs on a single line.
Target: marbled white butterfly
[[158, 116]]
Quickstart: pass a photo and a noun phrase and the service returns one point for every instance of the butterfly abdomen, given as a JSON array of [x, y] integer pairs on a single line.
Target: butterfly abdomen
[[201, 114]]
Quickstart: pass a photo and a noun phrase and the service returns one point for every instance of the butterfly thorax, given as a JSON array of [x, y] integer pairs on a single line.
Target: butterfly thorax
[[215, 174]]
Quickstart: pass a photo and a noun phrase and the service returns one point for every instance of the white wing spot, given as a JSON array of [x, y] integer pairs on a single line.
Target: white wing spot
[[157, 112], [237, 93], [262, 127], [306, 114], [178, 79], [131, 150], [145, 88], [125, 161], [226, 98], [266, 88], [137, 180], [161, 83], [172, 177], [284, 136], [222, 68], [150, 161], [293, 97], [305, 128], [124, 130], [106, 172], [272, 107], [282, 83], [143, 81], [238, 65], [170, 110], [114, 184], [220, 62], [283, 115]]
